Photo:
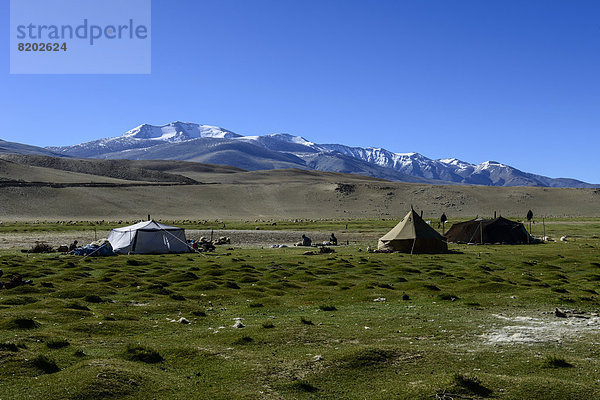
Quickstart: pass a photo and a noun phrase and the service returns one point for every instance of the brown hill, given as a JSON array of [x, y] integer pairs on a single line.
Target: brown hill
[[230, 193], [119, 169], [13, 171]]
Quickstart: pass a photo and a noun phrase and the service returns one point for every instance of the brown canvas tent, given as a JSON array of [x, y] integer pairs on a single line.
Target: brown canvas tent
[[413, 235], [489, 231]]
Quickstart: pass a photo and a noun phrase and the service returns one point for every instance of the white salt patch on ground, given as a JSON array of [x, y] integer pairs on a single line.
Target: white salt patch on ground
[[530, 330]]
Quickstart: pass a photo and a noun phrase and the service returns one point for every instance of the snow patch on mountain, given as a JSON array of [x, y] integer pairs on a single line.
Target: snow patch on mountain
[[291, 139], [178, 132]]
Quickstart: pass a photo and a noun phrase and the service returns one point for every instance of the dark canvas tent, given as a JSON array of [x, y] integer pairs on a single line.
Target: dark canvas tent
[[413, 235], [489, 231], [148, 237]]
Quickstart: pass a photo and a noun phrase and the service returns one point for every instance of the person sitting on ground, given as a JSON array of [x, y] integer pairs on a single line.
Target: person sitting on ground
[[333, 240], [306, 241], [15, 280], [73, 245]]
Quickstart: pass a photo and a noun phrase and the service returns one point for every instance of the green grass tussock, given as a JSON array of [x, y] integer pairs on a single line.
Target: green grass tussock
[[142, 354], [44, 364], [20, 323], [57, 343], [556, 362], [108, 383], [369, 358], [470, 384], [244, 340], [9, 347], [327, 307], [301, 386]]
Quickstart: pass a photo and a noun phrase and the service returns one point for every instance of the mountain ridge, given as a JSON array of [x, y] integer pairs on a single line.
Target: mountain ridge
[[215, 145]]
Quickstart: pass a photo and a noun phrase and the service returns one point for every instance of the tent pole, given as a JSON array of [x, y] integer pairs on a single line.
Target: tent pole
[[544, 224], [480, 232], [413, 246]]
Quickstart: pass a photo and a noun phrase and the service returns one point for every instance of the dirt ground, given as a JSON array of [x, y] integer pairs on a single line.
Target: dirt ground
[[243, 238], [540, 329]]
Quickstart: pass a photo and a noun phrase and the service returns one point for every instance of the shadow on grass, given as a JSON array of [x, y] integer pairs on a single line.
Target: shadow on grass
[[44, 364], [471, 385], [143, 354], [57, 343], [369, 358], [556, 362], [20, 323]]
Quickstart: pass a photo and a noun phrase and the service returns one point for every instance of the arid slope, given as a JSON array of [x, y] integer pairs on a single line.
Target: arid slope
[[229, 193]]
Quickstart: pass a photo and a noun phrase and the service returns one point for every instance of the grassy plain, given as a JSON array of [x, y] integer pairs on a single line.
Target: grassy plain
[[478, 323], [582, 227]]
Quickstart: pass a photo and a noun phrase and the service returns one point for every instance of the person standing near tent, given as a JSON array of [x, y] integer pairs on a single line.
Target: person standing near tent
[[333, 240], [306, 241]]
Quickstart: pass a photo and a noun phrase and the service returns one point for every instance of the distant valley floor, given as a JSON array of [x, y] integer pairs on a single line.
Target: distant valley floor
[[123, 189]]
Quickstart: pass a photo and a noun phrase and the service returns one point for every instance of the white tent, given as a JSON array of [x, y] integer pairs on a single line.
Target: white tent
[[148, 237]]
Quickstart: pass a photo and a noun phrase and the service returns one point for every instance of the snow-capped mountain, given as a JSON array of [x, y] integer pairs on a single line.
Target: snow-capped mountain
[[211, 144], [409, 163], [145, 136]]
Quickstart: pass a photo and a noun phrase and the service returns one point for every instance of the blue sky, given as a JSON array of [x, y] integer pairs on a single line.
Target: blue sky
[[511, 81]]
